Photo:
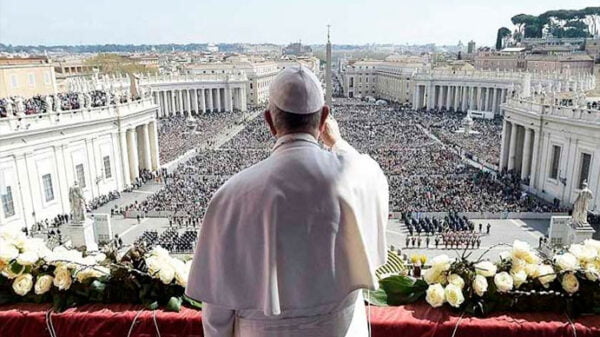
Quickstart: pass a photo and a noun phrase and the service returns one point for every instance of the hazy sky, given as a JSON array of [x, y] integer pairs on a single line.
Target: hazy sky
[[53, 22]]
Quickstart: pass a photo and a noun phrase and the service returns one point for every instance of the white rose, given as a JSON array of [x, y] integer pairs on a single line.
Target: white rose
[[22, 284], [583, 253], [480, 285], [166, 274], [592, 244], [591, 272], [62, 278], [570, 283], [503, 282], [91, 272], [435, 295], [160, 252], [433, 275], [181, 272], [532, 270], [456, 280], [441, 262], [546, 274], [13, 235], [519, 278], [454, 295], [521, 250], [43, 284], [8, 252], [485, 268], [566, 262], [27, 258]]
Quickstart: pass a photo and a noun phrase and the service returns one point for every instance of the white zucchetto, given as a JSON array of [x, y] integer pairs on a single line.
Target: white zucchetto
[[297, 90]]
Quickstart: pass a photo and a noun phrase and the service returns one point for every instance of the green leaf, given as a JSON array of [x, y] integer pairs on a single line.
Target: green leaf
[[403, 289], [174, 304], [377, 297], [151, 305], [16, 268], [192, 302]]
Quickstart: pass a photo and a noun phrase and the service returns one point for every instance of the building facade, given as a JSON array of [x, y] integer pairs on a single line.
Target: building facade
[[26, 79], [553, 148], [389, 79], [101, 148]]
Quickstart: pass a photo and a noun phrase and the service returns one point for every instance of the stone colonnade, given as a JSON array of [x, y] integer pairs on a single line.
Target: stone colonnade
[[139, 150], [518, 148], [460, 97], [188, 101]]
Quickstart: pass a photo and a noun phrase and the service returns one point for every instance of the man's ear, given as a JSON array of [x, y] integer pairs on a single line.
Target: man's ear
[[269, 120], [324, 115]]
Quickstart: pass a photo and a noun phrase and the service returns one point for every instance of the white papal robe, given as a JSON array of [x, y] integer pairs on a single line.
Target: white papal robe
[[287, 244]]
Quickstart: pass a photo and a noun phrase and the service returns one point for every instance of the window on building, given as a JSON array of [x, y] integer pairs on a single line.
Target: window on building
[[584, 172], [7, 203], [48, 189], [47, 78], [31, 78], [13, 81], [555, 162], [107, 171], [80, 174]]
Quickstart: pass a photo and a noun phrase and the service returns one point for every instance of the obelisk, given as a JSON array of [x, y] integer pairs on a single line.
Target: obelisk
[[328, 84]]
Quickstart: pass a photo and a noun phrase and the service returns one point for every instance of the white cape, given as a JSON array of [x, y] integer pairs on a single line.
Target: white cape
[[299, 230]]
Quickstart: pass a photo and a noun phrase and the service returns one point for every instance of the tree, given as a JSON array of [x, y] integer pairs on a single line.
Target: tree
[[502, 33], [116, 64]]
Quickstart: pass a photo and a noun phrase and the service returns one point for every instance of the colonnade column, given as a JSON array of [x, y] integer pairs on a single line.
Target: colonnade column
[[173, 109], [512, 147], [448, 97], [229, 98], [525, 164], [153, 130], [147, 164], [534, 159], [243, 107], [132, 150], [464, 98], [219, 103], [210, 100], [203, 100], [124, 158], [195, 100], [495, 101], [503, 146], [180, 102]]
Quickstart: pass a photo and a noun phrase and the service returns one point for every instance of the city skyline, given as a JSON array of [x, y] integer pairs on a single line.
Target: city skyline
[[266, 21]]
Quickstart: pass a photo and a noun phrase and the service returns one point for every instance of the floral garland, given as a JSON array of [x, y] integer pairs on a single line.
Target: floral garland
[[523, 280], [30, 272]]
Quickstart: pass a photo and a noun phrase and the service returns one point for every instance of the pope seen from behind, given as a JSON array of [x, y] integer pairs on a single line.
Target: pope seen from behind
[[287, 245]]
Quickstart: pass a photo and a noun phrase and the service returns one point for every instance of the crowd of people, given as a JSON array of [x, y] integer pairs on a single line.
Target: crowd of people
[[453, 231], [179, 134], [423, 174], [65, 101], [483, 143]]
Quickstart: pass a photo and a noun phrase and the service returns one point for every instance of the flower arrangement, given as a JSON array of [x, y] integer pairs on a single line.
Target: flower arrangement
[[522, 280], [30, 272]]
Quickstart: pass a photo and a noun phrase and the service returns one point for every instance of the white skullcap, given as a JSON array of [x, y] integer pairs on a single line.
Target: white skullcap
[[296, 90]]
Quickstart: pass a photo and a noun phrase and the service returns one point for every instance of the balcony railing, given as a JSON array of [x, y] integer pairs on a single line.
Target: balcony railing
[[23, 123]]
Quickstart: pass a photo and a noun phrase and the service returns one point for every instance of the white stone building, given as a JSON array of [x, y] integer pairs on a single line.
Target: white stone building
[[257, 72], [101, 148], [553, 148], [390, 79]]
